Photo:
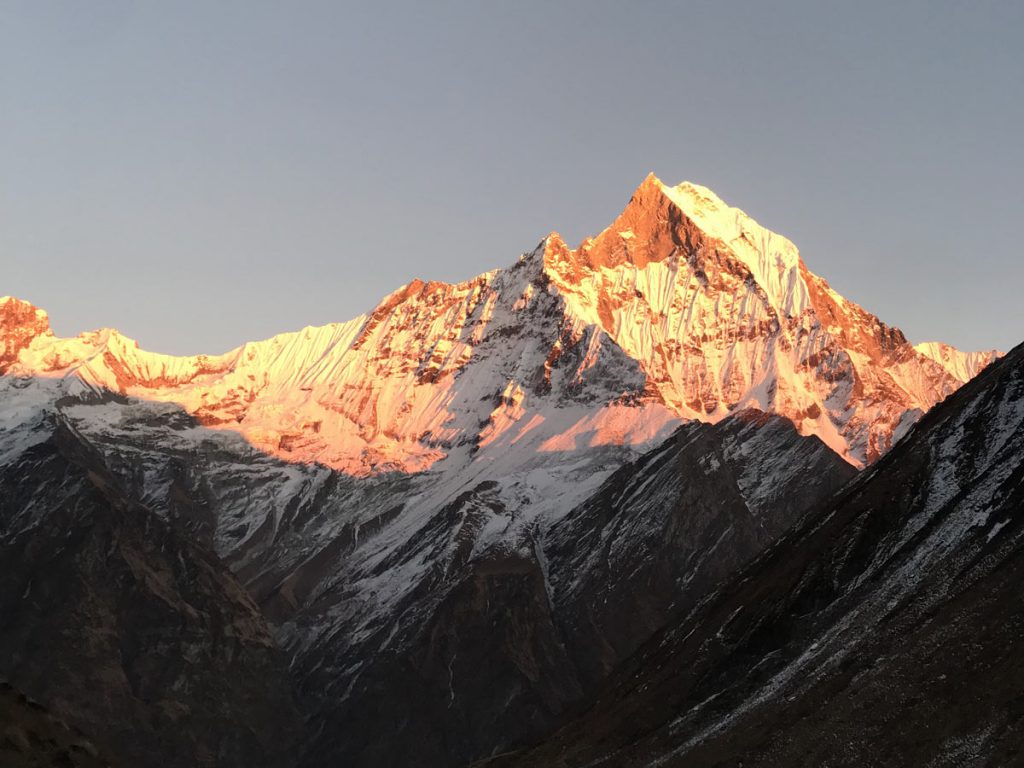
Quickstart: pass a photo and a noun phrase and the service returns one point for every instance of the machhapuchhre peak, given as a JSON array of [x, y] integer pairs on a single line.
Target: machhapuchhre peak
[[662, 498]]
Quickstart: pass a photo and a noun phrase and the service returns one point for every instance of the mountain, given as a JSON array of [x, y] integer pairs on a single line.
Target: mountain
[[963, 366], [664, 530], [444, 509], [34, 738], [885, 629], [522, 629], [723, 314], [127, 629], [683, 308]]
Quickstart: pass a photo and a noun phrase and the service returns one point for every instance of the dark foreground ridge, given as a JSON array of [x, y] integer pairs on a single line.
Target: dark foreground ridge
[[126, 629], [713, 601], [34, 738]]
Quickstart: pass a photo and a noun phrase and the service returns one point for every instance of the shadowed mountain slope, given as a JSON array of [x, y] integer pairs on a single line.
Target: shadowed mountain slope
[[128, 630], [30, 737], [519, 635]]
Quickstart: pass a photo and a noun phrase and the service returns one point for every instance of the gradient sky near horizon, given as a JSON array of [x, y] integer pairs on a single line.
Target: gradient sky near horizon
[[201, 174]]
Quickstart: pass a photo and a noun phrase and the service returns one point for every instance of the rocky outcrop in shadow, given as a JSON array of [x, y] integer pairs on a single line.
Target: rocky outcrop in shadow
[[128, 629]]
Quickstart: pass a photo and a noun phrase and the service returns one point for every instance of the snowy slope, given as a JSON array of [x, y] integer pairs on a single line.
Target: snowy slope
[[962, 366], [723, 315], [435, 370]]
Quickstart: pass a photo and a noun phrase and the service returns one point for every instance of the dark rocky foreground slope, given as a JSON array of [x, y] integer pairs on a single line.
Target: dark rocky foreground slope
[[31, 737], [523, 634], [663, 531], [887, 629], [126, 629]]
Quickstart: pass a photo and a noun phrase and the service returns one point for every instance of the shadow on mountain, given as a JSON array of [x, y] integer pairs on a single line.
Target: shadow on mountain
[[407, 636], [34, 738]]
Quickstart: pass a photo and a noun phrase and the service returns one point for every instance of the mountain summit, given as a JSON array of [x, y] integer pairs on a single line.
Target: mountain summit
[[684, 308], [723, 314]]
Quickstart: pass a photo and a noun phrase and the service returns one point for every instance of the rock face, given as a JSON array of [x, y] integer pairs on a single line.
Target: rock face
[[446, 507], [885, 629], [20, 323], [128, 630], [31, 737]]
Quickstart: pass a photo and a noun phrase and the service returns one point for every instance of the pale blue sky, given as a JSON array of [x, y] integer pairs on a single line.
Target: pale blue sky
[[200, 174]]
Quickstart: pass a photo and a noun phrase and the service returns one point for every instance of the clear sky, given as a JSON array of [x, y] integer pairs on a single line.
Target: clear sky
[[201, 174]]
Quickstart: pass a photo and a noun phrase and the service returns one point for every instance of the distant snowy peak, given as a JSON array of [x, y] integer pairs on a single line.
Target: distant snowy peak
[[963, 366], [464, 371], [20, 323], [684, 308], [723, 314], [662, 221]]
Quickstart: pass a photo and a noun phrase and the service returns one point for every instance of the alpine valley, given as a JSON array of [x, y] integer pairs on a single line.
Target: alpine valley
[[665, 498]]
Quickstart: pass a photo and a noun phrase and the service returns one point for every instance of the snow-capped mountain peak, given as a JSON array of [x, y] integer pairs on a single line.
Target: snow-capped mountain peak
[[962, 366], [683, 308], [20, 322], [643, 234], [722, 313]]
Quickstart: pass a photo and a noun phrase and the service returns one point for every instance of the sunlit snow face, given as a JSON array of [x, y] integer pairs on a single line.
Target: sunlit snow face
[[684, 308]]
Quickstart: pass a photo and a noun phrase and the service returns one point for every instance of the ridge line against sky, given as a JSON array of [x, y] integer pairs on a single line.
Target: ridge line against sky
[[201, 175]]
